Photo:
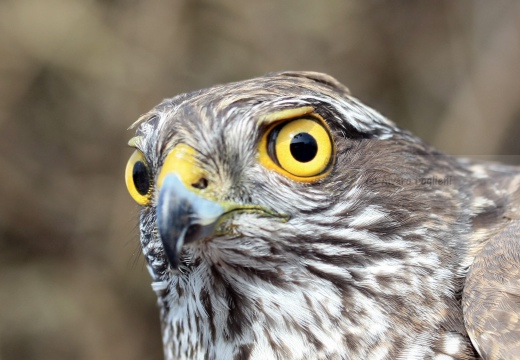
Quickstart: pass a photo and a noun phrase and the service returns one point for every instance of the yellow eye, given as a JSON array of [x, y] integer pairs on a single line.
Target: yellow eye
[[301, 149], [138, 178]]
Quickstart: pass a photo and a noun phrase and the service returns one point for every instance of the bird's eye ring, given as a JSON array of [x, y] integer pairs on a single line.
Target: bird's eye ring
[[138, 178], [301, 148]]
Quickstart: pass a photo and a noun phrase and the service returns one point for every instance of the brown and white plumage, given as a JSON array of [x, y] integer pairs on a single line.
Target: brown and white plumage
[[367, 261], [491, 298]]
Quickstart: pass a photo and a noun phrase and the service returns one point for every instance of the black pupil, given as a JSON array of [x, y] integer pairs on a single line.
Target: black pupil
[[303, 147], [141, 178]]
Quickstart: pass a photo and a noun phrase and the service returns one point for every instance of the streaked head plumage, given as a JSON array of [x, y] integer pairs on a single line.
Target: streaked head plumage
[[276, 223]]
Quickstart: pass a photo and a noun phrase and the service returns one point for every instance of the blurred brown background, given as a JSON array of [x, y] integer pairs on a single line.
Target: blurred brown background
[[74, 74]]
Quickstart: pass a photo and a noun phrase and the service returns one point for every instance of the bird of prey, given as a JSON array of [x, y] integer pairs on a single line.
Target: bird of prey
[[283, 219]]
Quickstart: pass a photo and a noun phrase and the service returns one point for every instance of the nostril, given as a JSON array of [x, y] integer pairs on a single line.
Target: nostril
[[201, 184]]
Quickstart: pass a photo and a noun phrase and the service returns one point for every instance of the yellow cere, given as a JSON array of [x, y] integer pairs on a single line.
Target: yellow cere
[[130, 178], [181, 161]]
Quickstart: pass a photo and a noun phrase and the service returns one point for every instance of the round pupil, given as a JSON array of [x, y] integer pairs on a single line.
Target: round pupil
[[303, 147], [141, 178]]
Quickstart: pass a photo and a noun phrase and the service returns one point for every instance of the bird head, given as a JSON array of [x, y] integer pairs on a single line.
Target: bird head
[[279, 174], [284, 203], [236, 166]]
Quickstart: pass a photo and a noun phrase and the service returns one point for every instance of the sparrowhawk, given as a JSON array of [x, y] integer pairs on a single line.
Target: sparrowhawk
[[283, 219]]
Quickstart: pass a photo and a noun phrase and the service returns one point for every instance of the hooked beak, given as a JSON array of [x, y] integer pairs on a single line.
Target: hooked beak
[[185, 213], [183, 217]]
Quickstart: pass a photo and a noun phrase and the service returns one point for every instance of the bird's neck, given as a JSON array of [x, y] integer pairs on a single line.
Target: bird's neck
[[217, 310]]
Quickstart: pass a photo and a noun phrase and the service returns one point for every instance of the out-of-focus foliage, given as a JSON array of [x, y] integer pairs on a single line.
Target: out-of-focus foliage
[[75, 74]]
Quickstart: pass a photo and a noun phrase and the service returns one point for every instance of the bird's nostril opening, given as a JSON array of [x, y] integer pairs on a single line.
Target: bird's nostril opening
[[201, 184]]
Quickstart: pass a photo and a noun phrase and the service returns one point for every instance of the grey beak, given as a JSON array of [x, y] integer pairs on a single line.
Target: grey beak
[[183, 217]]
